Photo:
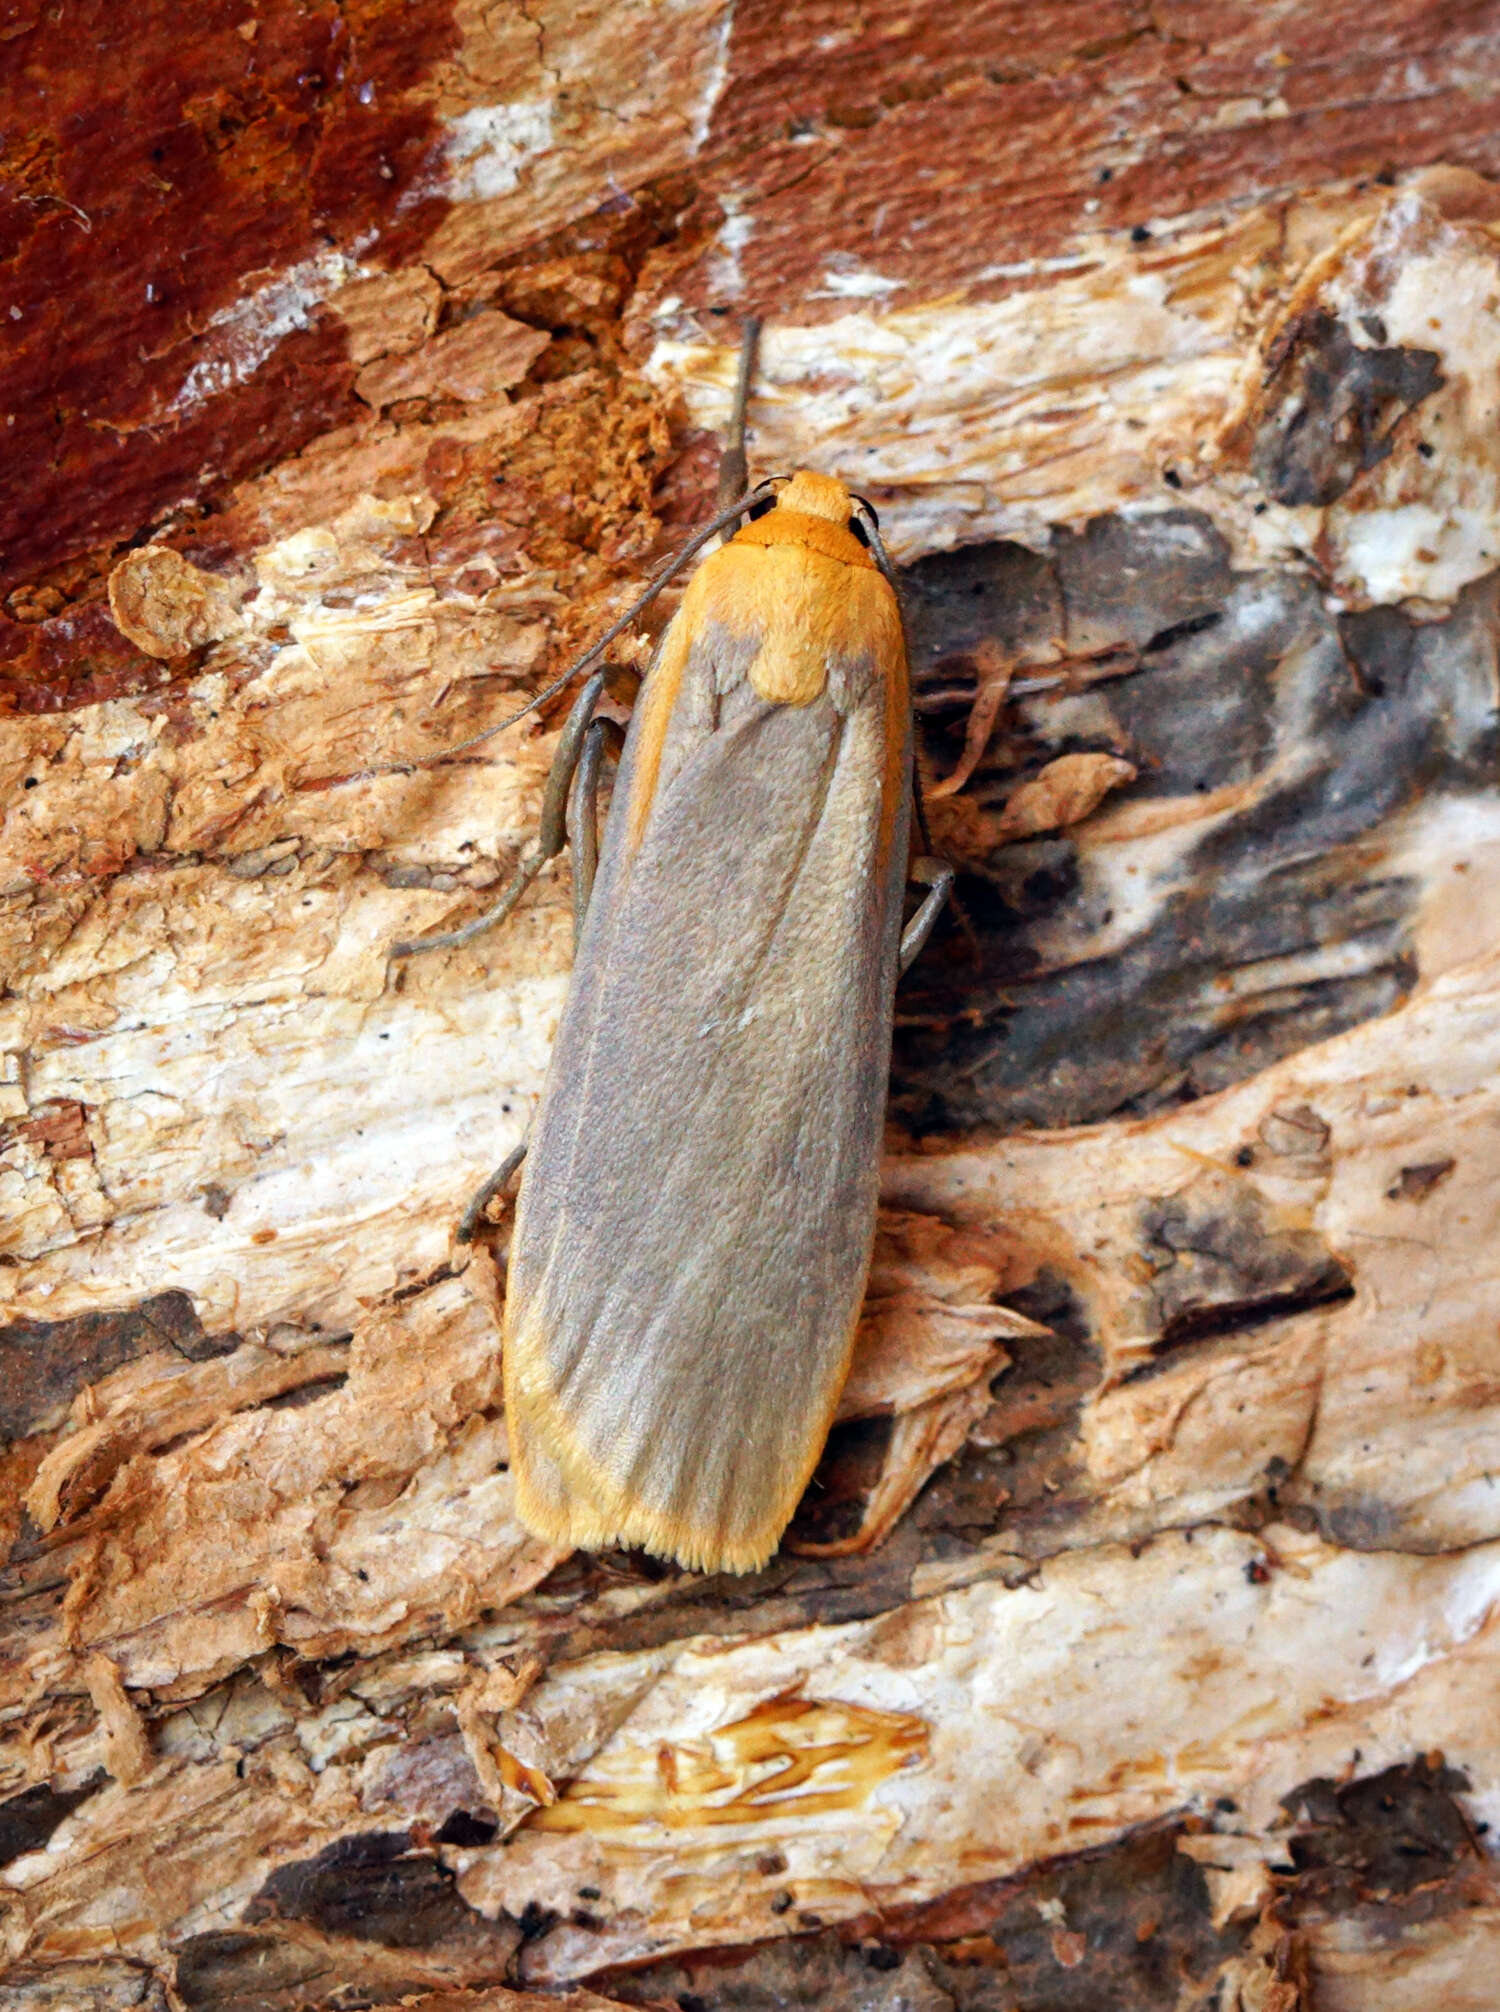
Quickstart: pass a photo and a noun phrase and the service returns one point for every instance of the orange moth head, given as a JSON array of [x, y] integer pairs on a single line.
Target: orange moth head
[[817, 496], [812, 512]]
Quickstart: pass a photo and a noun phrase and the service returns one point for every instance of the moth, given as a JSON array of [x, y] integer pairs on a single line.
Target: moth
[[697, 1207]]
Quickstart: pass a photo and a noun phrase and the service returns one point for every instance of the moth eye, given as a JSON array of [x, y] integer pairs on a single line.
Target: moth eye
[[759, 509]]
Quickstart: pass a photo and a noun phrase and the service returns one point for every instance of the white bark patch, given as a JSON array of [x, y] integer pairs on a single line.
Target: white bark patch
[[987, 1728], [241, 337], [489, 146]]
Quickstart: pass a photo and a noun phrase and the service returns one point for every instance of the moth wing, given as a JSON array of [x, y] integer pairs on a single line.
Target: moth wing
[[698, 1205]]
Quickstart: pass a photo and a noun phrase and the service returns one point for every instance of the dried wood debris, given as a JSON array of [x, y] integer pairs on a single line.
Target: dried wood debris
[[1137, 1636]]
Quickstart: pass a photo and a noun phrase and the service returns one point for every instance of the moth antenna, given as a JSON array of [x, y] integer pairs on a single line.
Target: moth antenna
[[734, 501], [589, 658], [892, 579], [733, 468]]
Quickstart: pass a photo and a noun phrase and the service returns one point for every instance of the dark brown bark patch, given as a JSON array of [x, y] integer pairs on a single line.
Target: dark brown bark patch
[[152, 164]]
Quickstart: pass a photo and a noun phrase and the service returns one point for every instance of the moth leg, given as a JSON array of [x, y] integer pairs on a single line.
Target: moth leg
[[474, 1214], [583, 814], [552, 831], [733, 468], [937, 876]]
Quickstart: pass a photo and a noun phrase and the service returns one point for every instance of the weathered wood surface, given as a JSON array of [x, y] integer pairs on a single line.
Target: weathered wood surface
[[1137, 1643]]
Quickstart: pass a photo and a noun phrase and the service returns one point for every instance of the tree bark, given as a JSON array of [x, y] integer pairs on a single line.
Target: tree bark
[[1137, 1640]]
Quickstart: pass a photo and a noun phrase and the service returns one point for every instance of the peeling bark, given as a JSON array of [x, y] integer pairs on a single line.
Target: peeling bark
[[1136, 1640]]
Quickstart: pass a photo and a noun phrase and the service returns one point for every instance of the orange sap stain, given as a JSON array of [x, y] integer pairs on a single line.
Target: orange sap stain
[[790, 1755]]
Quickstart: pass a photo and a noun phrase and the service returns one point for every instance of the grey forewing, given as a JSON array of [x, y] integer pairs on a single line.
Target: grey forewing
[[699, 1194]]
